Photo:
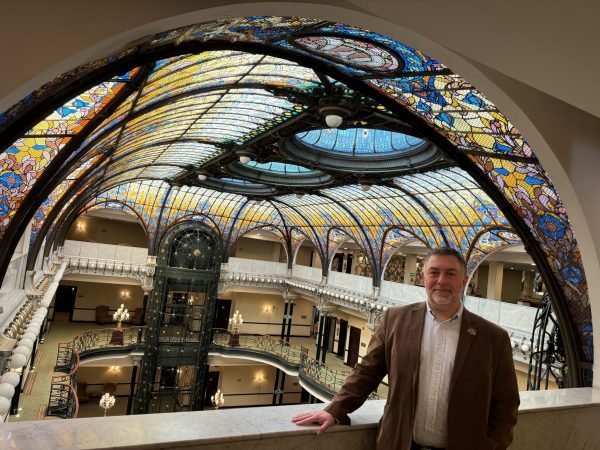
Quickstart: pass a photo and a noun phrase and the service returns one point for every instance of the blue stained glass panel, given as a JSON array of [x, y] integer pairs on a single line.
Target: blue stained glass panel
[[278, 167], [362, 141]]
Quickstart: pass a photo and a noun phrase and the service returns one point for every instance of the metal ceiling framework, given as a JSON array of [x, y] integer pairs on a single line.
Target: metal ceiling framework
[[192, 100]]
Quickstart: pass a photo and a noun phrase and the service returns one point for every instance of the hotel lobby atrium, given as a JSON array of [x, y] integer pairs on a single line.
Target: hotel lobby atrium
[[204, 217]]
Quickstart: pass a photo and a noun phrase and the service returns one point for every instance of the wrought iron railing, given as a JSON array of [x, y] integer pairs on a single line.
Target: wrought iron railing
[[65, 360], [548, 360], [63, 400], [277, 348], [313, 372]]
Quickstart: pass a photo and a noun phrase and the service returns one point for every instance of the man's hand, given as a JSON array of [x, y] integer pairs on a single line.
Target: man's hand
[[323, 418]]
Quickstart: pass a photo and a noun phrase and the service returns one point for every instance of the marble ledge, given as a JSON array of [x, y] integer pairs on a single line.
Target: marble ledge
[[241, 428], [270, 428], [532, 401]]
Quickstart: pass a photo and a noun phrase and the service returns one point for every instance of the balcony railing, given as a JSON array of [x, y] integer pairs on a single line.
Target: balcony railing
[[63, 400], [315, 376], [350, 291]]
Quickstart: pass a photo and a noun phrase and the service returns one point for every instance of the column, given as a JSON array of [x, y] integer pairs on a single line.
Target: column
[[320, 334], [527, 292], [410, 269], [494, 284], [131, 389]]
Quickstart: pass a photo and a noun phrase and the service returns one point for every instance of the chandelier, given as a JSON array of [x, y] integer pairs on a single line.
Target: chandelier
[[217, 400], [107, 401], [121, 315]]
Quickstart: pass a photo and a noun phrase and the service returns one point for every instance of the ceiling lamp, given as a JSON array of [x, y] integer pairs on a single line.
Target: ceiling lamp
[[202, 176], [365, 186], [245, 156], [334, 110], [333, 120], [299, 195]]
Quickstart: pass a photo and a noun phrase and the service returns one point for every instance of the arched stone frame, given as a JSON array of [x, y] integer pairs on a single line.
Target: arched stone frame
[[394, 33], [296, 247], [126, 209], [385, 260], [474, 263], [271, 229], [58, 234], [332, 249], [191, 219]]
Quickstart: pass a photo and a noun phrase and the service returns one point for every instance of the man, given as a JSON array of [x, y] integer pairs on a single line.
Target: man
[[452, 382]]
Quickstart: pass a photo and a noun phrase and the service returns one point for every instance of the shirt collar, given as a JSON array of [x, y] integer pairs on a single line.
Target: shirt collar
[[457, 315]]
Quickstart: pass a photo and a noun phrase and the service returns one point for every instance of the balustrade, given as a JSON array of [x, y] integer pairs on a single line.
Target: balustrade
[[325, 380], [63, 401]]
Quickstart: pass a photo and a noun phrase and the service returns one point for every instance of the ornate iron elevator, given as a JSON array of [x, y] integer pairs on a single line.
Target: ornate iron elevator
[[179, 320]]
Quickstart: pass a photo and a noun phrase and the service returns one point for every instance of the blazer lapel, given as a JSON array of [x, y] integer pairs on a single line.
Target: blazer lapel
[[415, 334], [467, 333]]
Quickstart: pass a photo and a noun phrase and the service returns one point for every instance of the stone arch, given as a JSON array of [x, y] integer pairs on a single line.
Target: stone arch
[[473, 72]]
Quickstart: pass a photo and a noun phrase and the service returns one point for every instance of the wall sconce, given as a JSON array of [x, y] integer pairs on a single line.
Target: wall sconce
[[81, 226], [124, 294], [259, 378], [267, 309]]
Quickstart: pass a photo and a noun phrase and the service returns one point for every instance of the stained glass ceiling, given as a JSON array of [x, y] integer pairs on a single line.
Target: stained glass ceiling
[[191, 102], [278, 167], [359, 141]]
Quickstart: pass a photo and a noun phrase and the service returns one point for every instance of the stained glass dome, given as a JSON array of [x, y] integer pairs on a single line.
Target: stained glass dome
[[359, 141], [128, 128]]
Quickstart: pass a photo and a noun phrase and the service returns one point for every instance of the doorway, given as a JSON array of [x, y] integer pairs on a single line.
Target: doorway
[[212, 384], [222, 314], [64, 303], [353, 346]]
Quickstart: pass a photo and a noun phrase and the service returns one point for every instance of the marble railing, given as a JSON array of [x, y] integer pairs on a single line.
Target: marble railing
[[552, 420], [357, 293], [105, 259], [12, 295]]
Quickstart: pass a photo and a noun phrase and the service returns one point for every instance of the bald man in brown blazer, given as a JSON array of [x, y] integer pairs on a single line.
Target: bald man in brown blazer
[[452, 382]]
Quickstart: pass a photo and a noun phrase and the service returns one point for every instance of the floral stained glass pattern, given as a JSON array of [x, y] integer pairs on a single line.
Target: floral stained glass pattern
[[360, 54], [23, 162]]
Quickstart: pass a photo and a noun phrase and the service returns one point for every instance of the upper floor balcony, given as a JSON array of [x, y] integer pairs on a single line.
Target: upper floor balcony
[[352, 292]]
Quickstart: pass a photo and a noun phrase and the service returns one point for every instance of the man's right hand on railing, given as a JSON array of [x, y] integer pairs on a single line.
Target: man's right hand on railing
[[322, 418]]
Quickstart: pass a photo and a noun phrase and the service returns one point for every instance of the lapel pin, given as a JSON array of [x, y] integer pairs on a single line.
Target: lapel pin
[[472, 331]]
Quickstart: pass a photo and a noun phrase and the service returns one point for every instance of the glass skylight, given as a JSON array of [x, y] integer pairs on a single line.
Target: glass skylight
[[358, 141]]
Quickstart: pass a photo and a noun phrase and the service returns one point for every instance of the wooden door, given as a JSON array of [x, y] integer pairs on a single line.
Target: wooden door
[[331, 322], [353, 346]]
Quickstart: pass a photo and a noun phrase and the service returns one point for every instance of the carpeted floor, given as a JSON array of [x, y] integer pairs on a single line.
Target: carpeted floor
[[36, 390]]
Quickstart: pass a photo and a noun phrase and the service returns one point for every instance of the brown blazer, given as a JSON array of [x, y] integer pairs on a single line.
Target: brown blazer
[[484, 396]]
